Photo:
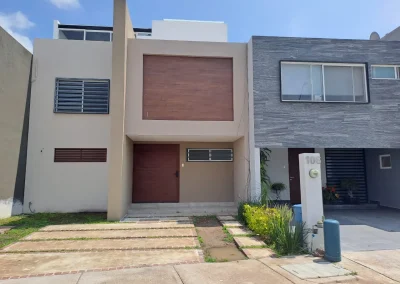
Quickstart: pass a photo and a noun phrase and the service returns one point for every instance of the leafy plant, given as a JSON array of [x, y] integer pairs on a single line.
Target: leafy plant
[[274, 226], [286, 239], [240, 216], [329, 194], [350, 185], [257, 219], [277, 187]]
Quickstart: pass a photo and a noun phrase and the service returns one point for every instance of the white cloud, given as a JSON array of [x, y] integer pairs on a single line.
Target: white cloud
[[15, 22], [66, 4]]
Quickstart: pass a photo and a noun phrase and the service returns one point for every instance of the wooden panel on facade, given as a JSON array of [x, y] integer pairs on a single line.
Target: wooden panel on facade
[[187, 88], [155, 173]]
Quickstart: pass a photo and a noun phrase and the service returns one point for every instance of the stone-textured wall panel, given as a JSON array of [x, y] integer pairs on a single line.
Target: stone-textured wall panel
[[328, 125]]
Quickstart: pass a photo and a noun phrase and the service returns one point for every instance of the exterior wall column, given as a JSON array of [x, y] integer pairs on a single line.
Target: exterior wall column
[[255, 173], [311, 194], [120, 151]]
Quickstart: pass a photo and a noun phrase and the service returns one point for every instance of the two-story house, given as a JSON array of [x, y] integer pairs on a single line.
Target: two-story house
[[339, 98], [122, 116]]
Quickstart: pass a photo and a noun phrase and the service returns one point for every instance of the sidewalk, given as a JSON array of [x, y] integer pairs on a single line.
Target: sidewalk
[[266, 270]]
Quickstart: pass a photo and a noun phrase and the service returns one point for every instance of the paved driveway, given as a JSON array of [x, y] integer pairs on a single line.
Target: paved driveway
[[364, 230]]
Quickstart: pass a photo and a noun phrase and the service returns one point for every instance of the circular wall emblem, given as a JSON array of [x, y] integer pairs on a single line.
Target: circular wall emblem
[[314, 173]]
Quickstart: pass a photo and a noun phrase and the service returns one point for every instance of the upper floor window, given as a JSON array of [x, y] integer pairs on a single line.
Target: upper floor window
[[82, 96], [323, 82], [385, 72], [80, 34]]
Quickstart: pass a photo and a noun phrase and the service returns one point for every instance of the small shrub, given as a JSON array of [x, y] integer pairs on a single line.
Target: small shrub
[[274, 226], [240, 216], [257, 219], [286, 239]]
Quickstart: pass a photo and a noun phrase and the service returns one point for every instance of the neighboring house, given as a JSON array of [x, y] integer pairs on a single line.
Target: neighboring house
[[121, 117], [337, 97], [15, 62]]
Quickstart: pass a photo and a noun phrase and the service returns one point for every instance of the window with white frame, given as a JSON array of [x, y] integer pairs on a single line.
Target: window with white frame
[[323, 82], [385, 162], [82, 34], [385, 72], [209, 155], [82, 96]]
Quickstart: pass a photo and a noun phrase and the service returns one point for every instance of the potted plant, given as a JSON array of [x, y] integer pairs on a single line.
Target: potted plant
[[278, 187], [350, 185], [329, 195]]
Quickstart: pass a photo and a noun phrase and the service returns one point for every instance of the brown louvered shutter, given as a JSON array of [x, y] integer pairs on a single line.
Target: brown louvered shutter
[[63, 155], [94, 155]]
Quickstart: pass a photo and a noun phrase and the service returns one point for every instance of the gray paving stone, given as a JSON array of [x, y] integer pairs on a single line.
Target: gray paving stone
[[231, 224], [316, 270], [248, 242], [226, 218], [239, 231]]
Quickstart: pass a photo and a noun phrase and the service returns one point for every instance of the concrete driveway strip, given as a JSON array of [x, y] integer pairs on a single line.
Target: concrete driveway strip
[[147, 275], [28, 264], [99, 245], [55, 279], [244, 271], [385, 262], [117, 226], [112, 234]]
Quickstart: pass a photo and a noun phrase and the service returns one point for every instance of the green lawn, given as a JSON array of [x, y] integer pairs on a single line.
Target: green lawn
[[27, 224]]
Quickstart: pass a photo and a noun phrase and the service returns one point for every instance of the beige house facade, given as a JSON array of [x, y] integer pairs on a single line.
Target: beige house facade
[[137, 120]]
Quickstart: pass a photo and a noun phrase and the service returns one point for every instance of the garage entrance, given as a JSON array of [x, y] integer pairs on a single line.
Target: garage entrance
[[155, 173]]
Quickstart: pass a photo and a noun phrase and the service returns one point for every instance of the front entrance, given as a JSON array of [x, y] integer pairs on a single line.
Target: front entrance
[[155, 173], [294, 174]]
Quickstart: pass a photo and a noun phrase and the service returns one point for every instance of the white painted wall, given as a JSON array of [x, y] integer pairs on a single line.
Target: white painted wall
[[66, 187], [278, 171], [189, 30]]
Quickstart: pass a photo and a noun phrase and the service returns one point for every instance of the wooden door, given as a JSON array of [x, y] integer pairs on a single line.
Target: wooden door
[[294, 174], [155, 173]]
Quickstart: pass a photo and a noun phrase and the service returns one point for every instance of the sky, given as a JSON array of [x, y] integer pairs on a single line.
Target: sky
[[30, 19]]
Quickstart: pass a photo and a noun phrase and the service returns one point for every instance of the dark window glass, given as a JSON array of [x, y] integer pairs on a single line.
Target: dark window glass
[[97, 36], [71, 35]]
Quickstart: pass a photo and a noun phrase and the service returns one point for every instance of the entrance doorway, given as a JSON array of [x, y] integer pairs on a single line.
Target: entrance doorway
[[155, 173], [294, 174]]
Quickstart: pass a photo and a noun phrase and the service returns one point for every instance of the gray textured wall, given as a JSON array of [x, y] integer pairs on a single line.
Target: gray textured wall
[[324, 125], [383, 185], [15, 67]]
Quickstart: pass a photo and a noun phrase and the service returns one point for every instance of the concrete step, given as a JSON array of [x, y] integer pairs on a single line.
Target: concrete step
[[143, 210], [191, 205]]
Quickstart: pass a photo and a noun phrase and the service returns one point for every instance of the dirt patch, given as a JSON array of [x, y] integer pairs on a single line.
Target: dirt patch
[[214, 241]]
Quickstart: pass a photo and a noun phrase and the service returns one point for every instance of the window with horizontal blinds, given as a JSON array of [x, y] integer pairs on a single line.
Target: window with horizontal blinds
[[82, 96], [64, 155], [209, 155]]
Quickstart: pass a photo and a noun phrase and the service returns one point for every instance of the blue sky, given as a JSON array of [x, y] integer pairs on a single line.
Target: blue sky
[[29, 19]]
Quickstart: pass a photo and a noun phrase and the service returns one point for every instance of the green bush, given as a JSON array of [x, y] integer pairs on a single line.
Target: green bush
[[285, 238], [274, 226], [241, 217], [258, 219]]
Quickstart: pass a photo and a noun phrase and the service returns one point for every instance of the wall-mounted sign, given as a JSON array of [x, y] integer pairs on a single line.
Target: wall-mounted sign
[[314, 173]]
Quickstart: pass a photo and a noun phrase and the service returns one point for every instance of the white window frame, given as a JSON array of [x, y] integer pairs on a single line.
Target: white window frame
[[380, 162], [396, 72], [84, 32], [209, 154], [324, 64]]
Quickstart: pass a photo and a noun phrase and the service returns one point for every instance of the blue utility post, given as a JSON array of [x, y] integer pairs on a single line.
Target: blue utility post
[[333, 250]]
